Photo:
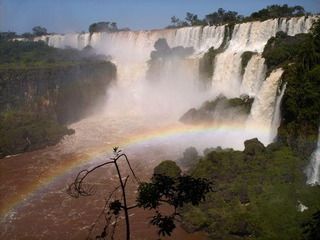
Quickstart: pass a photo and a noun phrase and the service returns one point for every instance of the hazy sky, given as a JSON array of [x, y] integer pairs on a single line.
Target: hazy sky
[[76, 15]]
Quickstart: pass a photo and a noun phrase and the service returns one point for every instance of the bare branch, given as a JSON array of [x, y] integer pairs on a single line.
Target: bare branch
[[77, 188], [127, 160]]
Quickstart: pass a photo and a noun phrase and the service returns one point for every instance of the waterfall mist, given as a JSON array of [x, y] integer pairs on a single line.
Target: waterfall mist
[[138, 102]]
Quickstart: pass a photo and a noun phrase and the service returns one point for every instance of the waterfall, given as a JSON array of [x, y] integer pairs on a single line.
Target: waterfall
[[277, 114], [313, 170], [251, 36], [253, 76], [227, 74], [263, 108], [177, 90]]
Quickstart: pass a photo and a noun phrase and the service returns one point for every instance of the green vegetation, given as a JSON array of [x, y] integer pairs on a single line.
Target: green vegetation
[[105, 27], [277, 11], [221, 16], [257, 194], [25, 131], [190, 157], [167, 168], [42, 88], [5, 36], [228, 108], [39, 31], [300, 57], [312, 227], [166, 187], [282, 49], [26, 54], [190, 20], [175, 191]]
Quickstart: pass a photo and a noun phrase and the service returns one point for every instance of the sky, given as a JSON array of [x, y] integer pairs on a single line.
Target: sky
[[63, 16]]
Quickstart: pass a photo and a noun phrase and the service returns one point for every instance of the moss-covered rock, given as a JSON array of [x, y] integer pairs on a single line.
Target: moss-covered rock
[[253, 147]]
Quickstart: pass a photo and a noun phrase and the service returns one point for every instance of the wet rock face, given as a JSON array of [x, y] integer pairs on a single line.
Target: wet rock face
[[66, 93], [219, 110]]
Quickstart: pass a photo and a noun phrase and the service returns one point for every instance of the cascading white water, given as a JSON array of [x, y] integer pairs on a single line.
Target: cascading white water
[[176, 91], [277, 114], [227, 74], [254, 75], [263, 107], [251, 36], [313, 170]]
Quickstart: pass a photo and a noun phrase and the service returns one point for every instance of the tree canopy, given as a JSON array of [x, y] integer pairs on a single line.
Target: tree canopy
[[222, 16], [103, 27], [39, 31]]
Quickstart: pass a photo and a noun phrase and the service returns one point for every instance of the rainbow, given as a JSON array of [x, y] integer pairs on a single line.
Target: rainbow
[[166, 132]]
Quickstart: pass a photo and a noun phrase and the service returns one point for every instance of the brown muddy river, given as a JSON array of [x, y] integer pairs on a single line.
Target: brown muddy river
[[34, 203]]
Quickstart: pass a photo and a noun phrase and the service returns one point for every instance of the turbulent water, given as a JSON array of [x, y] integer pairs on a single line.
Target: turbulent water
[[313, 170], [178, 89], [141, 116]]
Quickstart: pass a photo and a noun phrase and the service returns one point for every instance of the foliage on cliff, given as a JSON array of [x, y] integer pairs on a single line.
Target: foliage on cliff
[[300, 57], [43, 88], [258, 194], [26, 54], [26, 131]]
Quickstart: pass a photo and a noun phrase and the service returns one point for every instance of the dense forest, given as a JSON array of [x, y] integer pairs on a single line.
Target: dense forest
[[222, 16]]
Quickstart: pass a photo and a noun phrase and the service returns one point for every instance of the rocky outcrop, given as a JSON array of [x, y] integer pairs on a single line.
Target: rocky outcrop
[[220, 109]]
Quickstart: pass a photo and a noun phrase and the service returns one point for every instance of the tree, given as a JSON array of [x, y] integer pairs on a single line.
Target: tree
[[276, 11], [176, 23], [103, 27], [39, 31], [27, 35], [175, 190], [175, 20], [167, 168], [223, 17], [7, 35]]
